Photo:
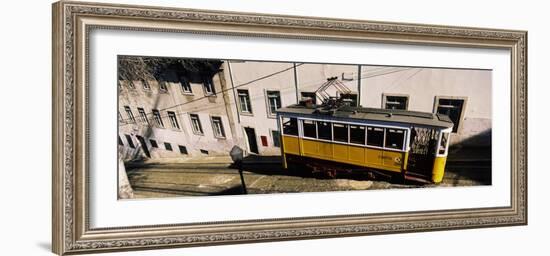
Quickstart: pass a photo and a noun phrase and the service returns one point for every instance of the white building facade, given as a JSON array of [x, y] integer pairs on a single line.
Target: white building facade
[[240, 107], [174, 117]]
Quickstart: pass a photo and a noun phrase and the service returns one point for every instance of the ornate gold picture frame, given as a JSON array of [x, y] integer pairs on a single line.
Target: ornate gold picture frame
[[72, 24]]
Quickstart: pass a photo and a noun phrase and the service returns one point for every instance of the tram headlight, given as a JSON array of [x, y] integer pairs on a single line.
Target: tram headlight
[[397, 160]]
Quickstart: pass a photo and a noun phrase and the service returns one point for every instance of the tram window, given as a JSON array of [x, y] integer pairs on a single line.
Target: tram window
[[309, 129], [357, 134], [324, 131], [375, 136], [394, 138], [290, 126], [340, 132], [443, 144]]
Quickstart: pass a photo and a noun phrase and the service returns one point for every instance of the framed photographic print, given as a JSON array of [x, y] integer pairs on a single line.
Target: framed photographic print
[[178, 127]]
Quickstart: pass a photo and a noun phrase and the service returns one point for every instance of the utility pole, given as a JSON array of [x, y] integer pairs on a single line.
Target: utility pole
[[296, 83], [358, 85]]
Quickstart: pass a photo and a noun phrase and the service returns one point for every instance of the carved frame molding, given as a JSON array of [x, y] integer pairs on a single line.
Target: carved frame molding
[[72, 22]]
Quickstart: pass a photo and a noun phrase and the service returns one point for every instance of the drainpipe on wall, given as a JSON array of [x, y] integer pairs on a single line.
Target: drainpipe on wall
[[233, 89], [227, 102]]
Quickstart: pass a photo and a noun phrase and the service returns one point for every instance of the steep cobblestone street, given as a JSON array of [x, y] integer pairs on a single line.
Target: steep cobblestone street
[[211, 178]]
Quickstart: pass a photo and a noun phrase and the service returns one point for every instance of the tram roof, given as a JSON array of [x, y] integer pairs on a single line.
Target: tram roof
[[375, 114]]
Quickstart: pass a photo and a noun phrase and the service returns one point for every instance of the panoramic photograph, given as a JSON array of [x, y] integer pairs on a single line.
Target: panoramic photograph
[[212, 127]]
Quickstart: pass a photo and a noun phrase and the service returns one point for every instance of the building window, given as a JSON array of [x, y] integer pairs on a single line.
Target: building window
[[273, 102], [357, 134], [146, 85], [208, 85], [168, 146], [244, 101], [204, 151], [163, 87], [310, 130], [217, 126], [452, 108], [395, 138], [350, 98], [158, 118], [120, 141], [129, 114], [375, 136], [347, 76], [290, 126], [173, 120], [309, 96], [130, 142], [396, 102], [153, 143], [340, 132], [324, 131], [183, 149], [143, 116], [276, 138], [196, 124], [185, 85]]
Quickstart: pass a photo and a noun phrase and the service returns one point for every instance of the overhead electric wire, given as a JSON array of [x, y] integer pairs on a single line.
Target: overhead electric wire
[[233, 87], [125, 121]]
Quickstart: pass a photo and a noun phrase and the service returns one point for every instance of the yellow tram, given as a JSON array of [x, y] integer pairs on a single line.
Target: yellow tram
[[413, 144]]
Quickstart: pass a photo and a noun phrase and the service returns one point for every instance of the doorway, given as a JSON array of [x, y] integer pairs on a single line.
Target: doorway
[[422, 153], [251, 137], [144, 146]]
